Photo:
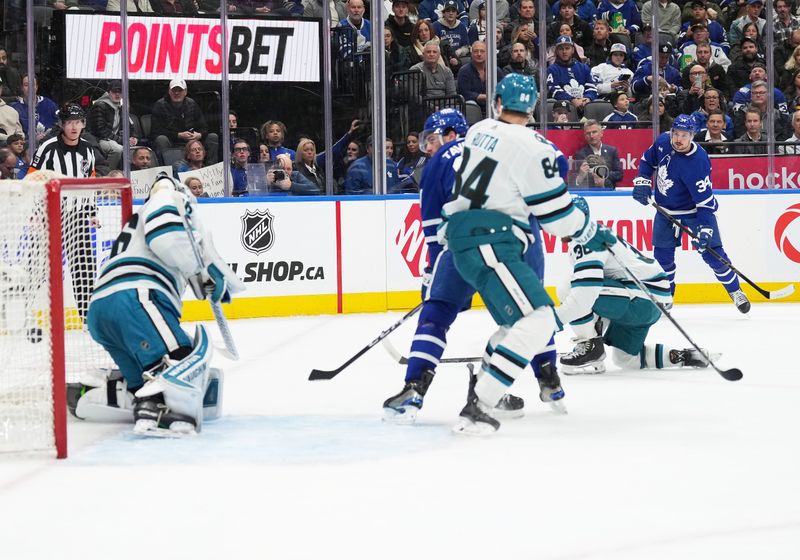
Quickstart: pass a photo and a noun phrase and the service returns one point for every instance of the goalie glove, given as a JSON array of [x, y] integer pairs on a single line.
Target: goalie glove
[[216, 281], [704, 236], [642, 190]]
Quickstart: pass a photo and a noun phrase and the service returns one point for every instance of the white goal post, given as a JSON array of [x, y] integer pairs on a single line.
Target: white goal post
[[54, 236]]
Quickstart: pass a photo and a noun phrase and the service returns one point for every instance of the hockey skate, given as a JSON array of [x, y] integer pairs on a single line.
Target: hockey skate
[[475, 420], [587, 357], [509, 407], [403, 407], [550, 391], [740, 300], [690, 357], [154, 418]]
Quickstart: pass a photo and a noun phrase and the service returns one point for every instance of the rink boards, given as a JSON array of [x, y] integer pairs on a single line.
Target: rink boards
[[366, 254]]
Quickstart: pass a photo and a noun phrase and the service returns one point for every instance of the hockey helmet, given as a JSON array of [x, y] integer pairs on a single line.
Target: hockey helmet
[[517, 93], [440, 121], [71, 112], [580, 203], [683, 122], [165, 181]]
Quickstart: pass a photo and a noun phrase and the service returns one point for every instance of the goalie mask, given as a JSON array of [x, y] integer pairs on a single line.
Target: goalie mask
[[165, 182]]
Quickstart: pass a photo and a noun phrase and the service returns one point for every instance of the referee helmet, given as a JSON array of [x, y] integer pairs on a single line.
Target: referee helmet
[[71, 112]]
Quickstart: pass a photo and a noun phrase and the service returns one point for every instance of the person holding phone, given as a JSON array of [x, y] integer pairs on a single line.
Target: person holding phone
[[614, 75]]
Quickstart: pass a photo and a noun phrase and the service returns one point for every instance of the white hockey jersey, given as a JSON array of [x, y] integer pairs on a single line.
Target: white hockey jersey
[[512, 169], [592, 268], [153, 251]]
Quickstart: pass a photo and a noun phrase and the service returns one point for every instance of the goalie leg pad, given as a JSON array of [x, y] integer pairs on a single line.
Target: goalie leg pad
[[184, 383], [110, 403]]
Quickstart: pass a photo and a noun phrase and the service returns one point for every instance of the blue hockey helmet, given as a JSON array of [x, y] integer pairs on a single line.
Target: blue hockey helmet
[[517, 93], [580, 203], [683, 122], [440, 121]]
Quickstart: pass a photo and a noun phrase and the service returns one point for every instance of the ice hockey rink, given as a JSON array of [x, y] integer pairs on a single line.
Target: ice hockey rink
[[651, 465]]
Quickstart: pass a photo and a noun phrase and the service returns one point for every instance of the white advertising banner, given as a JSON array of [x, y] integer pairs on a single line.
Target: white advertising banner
[[277, 248], [162, 48]]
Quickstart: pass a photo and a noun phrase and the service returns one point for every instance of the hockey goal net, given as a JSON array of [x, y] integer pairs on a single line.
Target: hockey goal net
[[54, 236]]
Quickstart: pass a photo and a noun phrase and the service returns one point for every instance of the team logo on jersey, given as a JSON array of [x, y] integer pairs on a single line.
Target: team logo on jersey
[[786, 224], [663, 182], [257, 233]]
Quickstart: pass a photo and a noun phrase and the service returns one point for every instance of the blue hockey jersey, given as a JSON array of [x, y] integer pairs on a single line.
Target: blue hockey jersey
[[436, 188], [570, 82], [683, 180], [642, 87], [631, 18], [743, 96]]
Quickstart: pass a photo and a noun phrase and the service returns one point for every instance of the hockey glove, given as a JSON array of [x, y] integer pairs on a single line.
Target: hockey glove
[[642, 190], [426, 284], [704, 236], [595, 237]]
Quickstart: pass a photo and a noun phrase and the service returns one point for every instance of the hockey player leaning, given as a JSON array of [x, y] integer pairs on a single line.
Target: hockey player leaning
[[683, 189], [508, 172], [135, 315]]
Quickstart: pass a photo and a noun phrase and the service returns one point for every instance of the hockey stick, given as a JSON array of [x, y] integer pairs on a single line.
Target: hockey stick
[[216, 307], [733, 374], [321, 374], [776, 294], [403, 360]]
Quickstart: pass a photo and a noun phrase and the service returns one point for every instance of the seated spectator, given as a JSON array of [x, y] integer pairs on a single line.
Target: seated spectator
[[643, 50], [399, 22], [621, 116], [602, 170], [311, 164], [699, 13], [669, 77], [699, 36], [132, 6], [785, 52], [412, 158], [599, 47], [477, 27], [642, 110], [750, 31], [9, 122], [196, 186], [283, 179], [736, 31], [792, 92], [753, 133], [194, 156], [10, 83], [716, 74], [142, 158], [274, 133], [337, 10], [359, 174], [794, 138], [8, 162], [437, 79], [566, 31], [713, 138], [784, 21], [669, 17], [614, 75], [421, 35], [739, 70], [569, 80], [472, 77], [397, 57], [561, 115], [105, 122], [353, 151], [521, 63], [16, 143], [691, 99], [743, 95], [501, 11], [177, 118], [789, 70], [713, 100], [263, 152], [453, 37], [760, 103], [233, 120], [239, 159], [432, 9], [362, 31], [623, 17], [581, 32], [45, 111]]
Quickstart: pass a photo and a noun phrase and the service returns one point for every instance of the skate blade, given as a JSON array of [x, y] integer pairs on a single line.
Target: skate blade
[[505, 414], [406, 417], [149, 428], [466, 427], [590, 369], [558, 406]]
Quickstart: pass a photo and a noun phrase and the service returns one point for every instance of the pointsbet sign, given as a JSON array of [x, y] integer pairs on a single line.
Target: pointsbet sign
[[162, 48]]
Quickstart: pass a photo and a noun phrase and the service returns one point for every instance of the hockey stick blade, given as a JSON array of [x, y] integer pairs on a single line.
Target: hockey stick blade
[[777, 294], [323, 375], [733, 374]]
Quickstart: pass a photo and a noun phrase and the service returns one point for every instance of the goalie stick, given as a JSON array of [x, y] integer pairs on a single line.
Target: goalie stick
[[775, 294], [733, 374], [321, 374]]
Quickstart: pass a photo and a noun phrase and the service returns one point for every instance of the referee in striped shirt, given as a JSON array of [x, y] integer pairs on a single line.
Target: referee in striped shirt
[[69, 154]]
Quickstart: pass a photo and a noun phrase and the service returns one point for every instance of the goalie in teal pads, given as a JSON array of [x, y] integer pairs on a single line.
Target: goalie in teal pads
[[606, 307], [165, 383]]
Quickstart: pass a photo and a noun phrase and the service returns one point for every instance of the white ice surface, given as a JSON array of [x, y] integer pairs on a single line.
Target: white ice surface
[[647, 465]]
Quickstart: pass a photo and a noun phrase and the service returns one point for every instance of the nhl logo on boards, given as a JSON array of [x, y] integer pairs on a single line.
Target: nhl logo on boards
[[257, 233]]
